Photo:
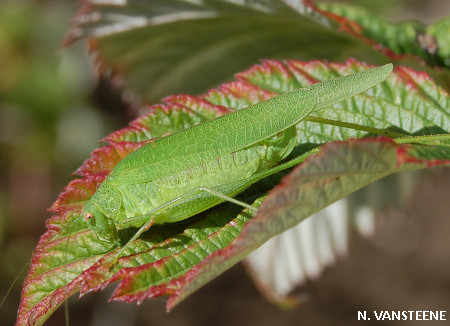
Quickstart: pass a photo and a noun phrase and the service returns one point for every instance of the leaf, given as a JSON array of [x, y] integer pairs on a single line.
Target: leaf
[[341, 168], [301, 253], [436, 41], [431, 43], [155, 48], [69, 258]]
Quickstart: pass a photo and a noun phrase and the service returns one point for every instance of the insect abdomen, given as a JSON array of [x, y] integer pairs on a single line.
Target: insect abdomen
[[139, 199]]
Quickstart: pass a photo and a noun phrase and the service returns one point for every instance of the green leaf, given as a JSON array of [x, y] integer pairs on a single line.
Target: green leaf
[[436, 41], [430, 43], [157, 48], [178, 258]]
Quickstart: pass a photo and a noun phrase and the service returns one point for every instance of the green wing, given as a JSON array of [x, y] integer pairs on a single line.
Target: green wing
[[237, 130], [209, 140]]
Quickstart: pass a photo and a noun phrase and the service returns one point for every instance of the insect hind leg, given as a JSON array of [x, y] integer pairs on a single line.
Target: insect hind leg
[[151, 216], [225, 197]]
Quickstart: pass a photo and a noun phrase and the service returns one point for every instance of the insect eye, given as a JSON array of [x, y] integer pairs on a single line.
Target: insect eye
[[88, 216]]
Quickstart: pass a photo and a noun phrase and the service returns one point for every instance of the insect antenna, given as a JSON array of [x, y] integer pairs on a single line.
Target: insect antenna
[[8, 291]]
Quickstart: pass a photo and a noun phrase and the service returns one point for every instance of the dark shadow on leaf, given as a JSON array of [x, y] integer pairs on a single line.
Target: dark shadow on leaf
[[431, 130]]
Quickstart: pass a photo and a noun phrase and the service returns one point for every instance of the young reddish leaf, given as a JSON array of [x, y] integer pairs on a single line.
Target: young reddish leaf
[[67, 238], [70, 258], [341, 168]]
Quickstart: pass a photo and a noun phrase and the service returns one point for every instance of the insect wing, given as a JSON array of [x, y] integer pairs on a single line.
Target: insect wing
[[335, 90], [232, 132], [207, 141]]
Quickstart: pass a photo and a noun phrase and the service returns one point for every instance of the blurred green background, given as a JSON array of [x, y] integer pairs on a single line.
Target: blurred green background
[[50, 120], [53, 111]]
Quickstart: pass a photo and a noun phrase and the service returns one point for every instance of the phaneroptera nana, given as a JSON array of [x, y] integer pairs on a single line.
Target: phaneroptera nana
[[180, 175]]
